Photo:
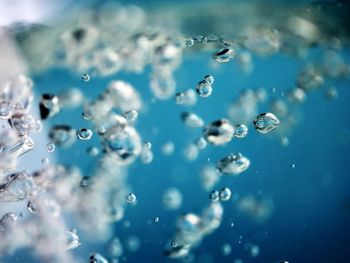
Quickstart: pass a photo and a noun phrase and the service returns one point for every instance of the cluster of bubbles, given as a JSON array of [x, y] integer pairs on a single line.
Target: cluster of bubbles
[[91, 47], [223, 194]]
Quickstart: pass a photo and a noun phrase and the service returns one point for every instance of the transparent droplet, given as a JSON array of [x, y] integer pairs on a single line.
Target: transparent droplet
[[124, 144], [266, 122], [233, 164], [310, 80], [172, 199], [189, 41], [9, 219], [116, 248], [86, 77], [168, 148], [84, 134], [241, 131], [97, 258], [224, 55], [219, 132], [133, 243], [192, 120], [62, 135], [50, 147], [130, 198], [209, 79], [32, 207], [225, 194], [226, 249], [93, 151], [201, 143], [204, 89], [131, 115], [214, 196], [49, 106], [72, 240]]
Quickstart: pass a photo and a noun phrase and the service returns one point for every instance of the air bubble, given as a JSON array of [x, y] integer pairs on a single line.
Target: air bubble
[[86, 77], [233, 164], [225, 194], [72, 240], [50, 147], [241, 131], [266, 122], [219, 132], [130, 198], [224, 55], [214, 196], [204, 89], [84, 134], [192, 120]]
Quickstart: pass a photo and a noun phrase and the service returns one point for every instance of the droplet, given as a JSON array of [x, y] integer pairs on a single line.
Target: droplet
[[50, 147], [97, 258], [204, 89], [192, 120], [168, 148], [214, 196], [86, 77], [72, 240], [172, 199], [201, 143], [156, 219], [130, 198], [123, 143], [241, 131], [225, 194], [49, 106], [84, 134], [233, 164], [93, 151], [209, 79], [131, 115], [62, 135], [226, 249], [266, 122], [224, 55], [219, 132]]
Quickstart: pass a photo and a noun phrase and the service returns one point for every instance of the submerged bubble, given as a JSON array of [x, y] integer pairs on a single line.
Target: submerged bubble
[[241, 131], [72, 240], [49, 106], [62, 135], [187, 98], [201, 143], [226, 249], [219, 132], [133, 243], [32, 207], [172, 199], [116, 248], [124, 144], [156, 219], [233, 164], [204, 89], [209, 79], [97, 258], [168, 148], [224, 55], [225, 194], [266, 122], [50, 147], [214, 196], [192, 120], [131, 115], [85, 77], [84, 134], [130, 198], [93, 151]]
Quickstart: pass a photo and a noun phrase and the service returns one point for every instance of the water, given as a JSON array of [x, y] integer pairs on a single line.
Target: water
[[289, 184]]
